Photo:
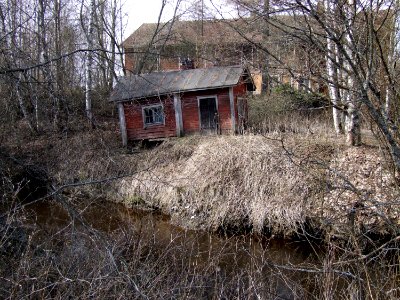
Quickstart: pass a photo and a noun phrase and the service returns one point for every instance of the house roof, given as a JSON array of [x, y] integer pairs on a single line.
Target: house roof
[[191, 32], [220, 32], [162, 83]]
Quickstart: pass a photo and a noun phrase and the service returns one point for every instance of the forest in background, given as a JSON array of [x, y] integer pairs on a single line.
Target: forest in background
[[60, 59], [58, 63]]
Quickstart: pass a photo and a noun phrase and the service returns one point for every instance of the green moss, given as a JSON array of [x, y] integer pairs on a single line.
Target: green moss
[[134, 200]]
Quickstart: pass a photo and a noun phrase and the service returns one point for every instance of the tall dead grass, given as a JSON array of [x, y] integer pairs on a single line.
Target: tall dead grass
[[230, 182], [227, 181], [258, 182]]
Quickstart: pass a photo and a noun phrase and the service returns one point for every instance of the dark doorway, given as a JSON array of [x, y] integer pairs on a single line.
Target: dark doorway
[[208, 115]]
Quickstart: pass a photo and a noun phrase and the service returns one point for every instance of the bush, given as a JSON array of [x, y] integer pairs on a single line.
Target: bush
[[287, 109], [297, 100]]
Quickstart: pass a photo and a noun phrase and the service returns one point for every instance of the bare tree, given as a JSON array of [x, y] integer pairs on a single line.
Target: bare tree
[[89, 62], [350, 37], [266, 33], [43, 62], [393, 57], [353, 130], [332, 72]]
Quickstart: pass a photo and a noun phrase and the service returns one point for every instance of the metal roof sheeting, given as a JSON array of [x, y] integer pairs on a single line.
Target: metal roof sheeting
[[161, 83]]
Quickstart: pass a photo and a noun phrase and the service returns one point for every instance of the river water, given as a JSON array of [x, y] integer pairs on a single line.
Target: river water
[[233, 252]]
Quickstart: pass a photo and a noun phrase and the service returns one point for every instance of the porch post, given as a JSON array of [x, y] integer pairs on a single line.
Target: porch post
[[122, 124], [232, 104], [178, 114]]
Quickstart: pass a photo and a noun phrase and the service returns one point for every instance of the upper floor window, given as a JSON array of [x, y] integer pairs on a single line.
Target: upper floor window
[[153, 115]]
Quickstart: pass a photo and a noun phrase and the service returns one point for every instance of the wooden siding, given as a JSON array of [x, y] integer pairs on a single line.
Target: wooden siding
[[239, 90], [190, 113], [134, 119], [129, 62], [169, 64], [190, 109]]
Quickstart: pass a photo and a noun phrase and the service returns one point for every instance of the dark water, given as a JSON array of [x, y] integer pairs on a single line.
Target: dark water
[[107, 217], [233, 253], [268, 266]]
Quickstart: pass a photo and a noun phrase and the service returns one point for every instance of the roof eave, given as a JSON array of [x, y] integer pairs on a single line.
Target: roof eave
[[172, 92]]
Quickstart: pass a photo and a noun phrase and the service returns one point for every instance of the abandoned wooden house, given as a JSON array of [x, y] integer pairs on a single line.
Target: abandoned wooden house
[[210, 43], [168, 104]]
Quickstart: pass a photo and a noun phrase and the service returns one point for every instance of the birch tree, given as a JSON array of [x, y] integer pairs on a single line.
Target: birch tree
[[350, 39], [89, 63], [353, 126], [265, 65], [46, 54], [332, 72], [393, 57]]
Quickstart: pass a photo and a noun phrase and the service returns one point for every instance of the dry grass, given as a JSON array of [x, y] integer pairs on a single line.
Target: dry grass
[[132, 261], [257, 182], [227, 182], [279, 181], [235, 182], [276, 182]]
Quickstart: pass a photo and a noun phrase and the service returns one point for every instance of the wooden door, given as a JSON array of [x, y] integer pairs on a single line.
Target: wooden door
[[208, 115]]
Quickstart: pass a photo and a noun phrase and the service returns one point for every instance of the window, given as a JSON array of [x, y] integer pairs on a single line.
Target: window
[[153, 115]]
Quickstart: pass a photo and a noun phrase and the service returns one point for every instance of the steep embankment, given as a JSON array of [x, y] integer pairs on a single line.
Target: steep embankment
[[240, 182], [232, 182]]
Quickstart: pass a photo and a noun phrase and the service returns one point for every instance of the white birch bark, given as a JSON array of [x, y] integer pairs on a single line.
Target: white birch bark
[[266, 33], [112, 73], [22, 105], [353, 122], [47, 72], [16, 38], [334, 94], [89, 64], [393, 56]]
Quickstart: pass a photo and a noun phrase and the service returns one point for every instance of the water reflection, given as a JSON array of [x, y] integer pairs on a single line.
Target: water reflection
[[107, 217], [224, 256]]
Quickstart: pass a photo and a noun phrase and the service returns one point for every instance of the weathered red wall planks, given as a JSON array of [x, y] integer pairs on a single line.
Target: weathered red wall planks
[[190, 113], [136, 130]]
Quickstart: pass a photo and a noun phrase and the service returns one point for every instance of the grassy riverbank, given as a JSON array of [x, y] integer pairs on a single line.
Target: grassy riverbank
[[271, 183], [297, 185], [275, 183]]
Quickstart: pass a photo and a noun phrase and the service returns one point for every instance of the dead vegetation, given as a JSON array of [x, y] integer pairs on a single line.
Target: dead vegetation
[[132, 261], [264, 182], [275, 182], [308, 186]]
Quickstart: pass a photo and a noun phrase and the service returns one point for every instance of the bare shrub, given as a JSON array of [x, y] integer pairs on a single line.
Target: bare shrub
[[233, 182], [286, 110], [138, 260]]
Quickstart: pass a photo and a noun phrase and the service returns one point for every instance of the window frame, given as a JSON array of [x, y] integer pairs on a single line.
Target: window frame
[[149, 107]]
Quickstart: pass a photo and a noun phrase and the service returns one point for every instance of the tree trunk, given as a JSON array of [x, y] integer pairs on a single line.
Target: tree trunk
[[22, 105], [353, 121], [266, 80], [100, 21], [47, 73], [112, 45], [333, 82], [59, 72], [89, 65], [393, 56]]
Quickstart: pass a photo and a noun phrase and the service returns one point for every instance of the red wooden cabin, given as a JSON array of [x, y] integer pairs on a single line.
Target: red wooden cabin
[[167, 104]]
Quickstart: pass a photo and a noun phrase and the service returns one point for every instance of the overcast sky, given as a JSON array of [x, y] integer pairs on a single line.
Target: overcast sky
[[139, 12]]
